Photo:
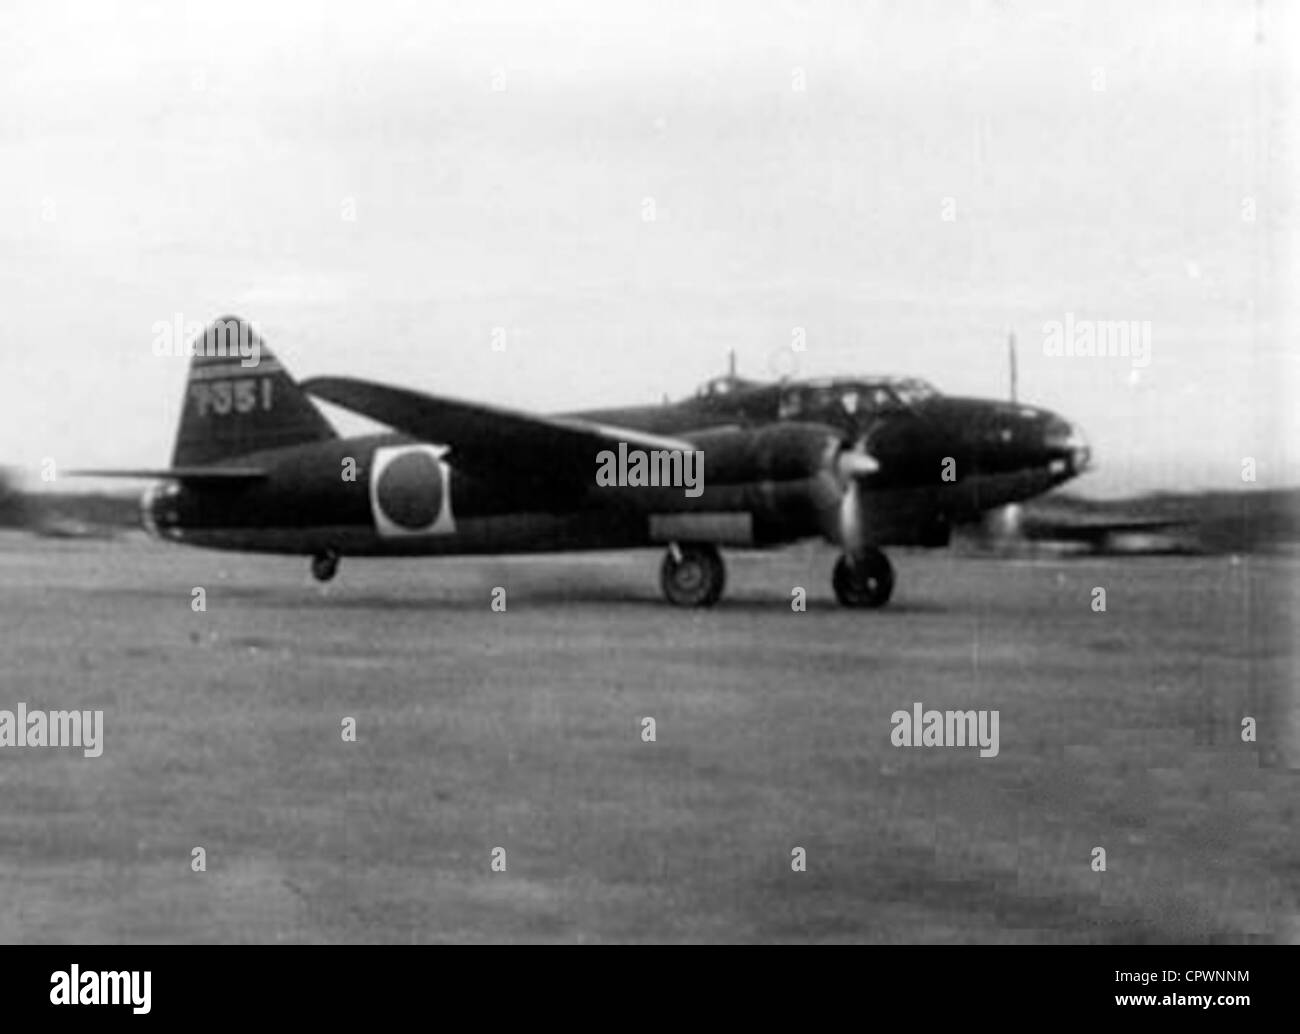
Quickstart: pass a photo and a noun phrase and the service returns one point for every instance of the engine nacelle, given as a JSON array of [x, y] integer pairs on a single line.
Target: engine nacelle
[[778, 452]]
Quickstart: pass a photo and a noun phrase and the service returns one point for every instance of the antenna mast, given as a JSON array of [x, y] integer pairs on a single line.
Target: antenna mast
[[1011, 359]]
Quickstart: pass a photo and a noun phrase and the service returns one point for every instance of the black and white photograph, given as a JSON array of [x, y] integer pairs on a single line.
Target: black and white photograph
[[740, 472]]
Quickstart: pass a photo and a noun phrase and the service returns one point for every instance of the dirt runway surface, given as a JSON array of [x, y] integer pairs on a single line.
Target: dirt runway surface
[[523, 730]]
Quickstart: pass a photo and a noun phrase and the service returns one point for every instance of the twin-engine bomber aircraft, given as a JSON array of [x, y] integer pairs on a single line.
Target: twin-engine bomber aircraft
[[862, 462]]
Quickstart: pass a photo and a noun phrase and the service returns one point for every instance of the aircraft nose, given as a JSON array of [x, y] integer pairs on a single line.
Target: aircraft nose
[[1066, 441]]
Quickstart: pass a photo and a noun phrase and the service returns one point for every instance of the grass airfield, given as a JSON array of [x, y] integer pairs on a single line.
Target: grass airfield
[[522, 730]]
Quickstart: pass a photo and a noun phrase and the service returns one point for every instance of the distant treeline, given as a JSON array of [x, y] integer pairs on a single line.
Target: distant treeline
[[1221, 522], [64, 513], [13, 503], [98, 514]]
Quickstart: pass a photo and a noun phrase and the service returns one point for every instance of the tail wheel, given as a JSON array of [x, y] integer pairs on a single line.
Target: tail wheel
[[693, 575], [863, 581], [324, 565]]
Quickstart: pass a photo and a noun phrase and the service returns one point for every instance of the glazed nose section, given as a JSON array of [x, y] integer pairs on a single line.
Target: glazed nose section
[[1067, 446]]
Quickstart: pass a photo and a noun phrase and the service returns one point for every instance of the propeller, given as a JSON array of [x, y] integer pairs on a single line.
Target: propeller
[[850, 465], [1010, 520], [1003, 527]]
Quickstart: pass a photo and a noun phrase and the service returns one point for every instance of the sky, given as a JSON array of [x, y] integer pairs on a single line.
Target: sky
[[628, 191]]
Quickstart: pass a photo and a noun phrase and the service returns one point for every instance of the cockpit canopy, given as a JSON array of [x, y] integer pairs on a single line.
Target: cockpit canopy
[[853, 398], [720, 387], [913, 390], [847, 402]]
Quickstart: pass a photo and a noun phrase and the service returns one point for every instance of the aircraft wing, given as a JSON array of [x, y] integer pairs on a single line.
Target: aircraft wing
[[489, 438]]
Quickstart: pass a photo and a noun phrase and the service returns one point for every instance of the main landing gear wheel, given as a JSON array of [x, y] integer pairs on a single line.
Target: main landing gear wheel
[[324, 565], [863, 581], [692, 575]]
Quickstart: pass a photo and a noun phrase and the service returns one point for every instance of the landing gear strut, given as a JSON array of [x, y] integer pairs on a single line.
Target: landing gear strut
[[865, 580], [324, 565], [692, 575]]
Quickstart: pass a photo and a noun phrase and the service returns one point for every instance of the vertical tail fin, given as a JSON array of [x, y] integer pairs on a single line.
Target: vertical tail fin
[[239, 399]]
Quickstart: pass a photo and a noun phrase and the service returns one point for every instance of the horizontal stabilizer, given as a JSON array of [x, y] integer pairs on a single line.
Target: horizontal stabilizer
[[212, 474]]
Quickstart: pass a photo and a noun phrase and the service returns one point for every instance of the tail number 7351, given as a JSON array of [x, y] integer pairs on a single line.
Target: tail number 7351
[[239, 395]]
